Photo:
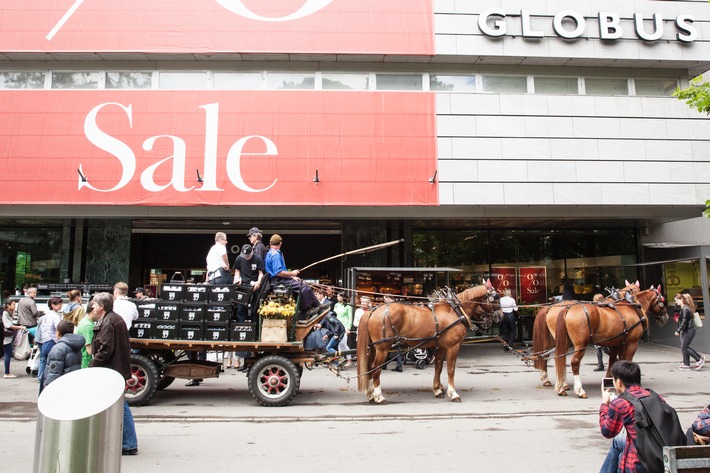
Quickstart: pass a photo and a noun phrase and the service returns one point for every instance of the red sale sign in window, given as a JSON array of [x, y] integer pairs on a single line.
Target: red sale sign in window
[[150, 147], [218, 26], [503, 278], [533, 284]]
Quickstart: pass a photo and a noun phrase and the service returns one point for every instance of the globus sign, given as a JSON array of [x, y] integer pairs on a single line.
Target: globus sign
[[496, 22], [218, 26], [168, 148]]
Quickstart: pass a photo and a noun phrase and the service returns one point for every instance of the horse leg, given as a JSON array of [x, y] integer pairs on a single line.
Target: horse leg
[[543, 374], [575, 363], [451, 355], [380, 357], [438, 366], [613, 357]]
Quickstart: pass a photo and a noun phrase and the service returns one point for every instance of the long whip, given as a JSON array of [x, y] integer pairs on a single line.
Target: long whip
[[360, 251]]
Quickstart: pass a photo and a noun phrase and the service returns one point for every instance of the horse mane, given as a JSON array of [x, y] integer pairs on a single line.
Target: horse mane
[[472, 293]]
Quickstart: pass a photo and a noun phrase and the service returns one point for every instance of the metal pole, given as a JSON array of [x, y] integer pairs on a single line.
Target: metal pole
[[80, 423]]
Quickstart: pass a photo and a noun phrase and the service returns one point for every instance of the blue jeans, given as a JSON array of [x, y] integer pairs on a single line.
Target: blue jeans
[[332, 344], [44, 350], [611, 462], [8, 357], [129, 428]]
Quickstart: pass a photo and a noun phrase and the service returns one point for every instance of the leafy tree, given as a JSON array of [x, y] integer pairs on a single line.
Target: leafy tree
[[697, 96]]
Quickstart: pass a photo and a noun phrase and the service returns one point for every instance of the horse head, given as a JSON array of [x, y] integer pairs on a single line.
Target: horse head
[[480, 303], [653, 302]]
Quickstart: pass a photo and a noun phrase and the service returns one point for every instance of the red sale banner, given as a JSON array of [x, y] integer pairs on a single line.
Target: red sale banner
[[503, 278], [218, 26], [533, 284], [150, 147]]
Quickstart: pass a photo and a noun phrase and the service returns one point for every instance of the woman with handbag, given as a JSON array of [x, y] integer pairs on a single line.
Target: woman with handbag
[[9, 332], [686, 332]]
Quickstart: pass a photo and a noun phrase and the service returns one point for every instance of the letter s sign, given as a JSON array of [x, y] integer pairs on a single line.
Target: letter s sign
[[308, 8]]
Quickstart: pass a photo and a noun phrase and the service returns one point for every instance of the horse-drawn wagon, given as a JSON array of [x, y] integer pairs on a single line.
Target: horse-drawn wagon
[[170, 331]]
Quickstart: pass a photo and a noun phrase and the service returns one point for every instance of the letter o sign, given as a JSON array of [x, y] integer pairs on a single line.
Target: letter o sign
[[563, 32]]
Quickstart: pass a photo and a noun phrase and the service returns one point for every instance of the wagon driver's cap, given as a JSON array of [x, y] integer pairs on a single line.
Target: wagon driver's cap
[[252, 231], [275, 239]]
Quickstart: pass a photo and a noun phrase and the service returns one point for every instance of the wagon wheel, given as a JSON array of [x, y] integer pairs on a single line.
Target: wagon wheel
[[143, 383], [273, 381]]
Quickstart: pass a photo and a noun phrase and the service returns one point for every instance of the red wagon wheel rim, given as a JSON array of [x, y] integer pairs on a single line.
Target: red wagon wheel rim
[[137, 382], [273, 381]]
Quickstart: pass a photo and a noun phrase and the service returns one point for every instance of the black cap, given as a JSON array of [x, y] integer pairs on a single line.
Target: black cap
[[139, 289], [246, 249], [253, 230]]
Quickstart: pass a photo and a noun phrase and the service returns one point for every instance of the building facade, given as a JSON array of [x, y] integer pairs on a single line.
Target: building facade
[[523, 141]]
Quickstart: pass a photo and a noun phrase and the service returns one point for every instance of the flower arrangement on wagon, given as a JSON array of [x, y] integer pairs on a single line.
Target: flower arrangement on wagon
[[277, 308]]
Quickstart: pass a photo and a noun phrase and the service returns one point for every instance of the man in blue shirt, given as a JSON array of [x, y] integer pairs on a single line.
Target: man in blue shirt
[[279, 273]]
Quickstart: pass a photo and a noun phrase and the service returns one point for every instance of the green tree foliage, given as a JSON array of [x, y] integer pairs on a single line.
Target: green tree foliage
[[697, 96]]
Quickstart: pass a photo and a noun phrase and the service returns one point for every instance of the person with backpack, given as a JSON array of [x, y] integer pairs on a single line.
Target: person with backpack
[[639, 421], [65, 355]]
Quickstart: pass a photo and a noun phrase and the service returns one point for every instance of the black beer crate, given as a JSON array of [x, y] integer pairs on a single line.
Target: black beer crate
[[165, 330], [218, 313], [172, 292], [167, 311], [142, 328], [242, 294], [242, 332], [192, 312], [222, 294], [146, 310], [216, 332], [195, 293], [191, 331]]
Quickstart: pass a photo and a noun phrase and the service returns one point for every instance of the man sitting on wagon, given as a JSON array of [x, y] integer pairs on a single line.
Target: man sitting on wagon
[[276, 267]]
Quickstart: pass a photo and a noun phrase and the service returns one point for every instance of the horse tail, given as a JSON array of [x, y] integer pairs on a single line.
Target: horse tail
[[363, 340], [562, 345], [542, 338]]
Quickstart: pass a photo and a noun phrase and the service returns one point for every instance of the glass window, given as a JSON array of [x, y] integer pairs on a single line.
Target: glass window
[[452, 83], [606, 86], [24, 259], [237, 80], [656, 87], [346, 81], [399, 81], [129, 80], [291, 80], [505, 84], [183, 80], [21, 80], [556, 85], [75, 80]]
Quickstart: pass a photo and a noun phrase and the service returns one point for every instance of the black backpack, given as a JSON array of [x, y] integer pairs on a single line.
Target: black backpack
[[657, 425]]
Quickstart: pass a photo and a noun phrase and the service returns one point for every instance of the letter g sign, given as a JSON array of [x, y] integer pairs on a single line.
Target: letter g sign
[[308, 8]]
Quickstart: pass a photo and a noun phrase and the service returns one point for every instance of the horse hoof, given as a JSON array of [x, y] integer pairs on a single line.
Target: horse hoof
[[547, 383], [562, 393], [456, 399], [583, 396]]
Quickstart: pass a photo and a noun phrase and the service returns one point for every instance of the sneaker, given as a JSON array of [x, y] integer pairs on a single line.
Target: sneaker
[[683, 367], [347, 364], [10, 376], [700, 363]]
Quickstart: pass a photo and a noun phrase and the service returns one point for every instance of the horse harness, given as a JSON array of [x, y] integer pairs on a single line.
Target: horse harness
[[642, 320], [455, 304]]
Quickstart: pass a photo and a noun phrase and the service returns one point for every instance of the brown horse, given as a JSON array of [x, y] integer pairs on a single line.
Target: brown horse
[[617, 325], [441, 325]]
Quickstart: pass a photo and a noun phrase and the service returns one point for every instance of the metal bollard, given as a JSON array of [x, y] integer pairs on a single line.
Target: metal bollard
[[80, 423]]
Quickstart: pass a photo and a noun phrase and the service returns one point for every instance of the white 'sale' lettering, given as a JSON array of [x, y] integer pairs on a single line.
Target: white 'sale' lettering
[[178, 158]]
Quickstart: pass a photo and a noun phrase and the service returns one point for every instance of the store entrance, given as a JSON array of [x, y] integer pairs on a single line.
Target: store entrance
[[156, 257]]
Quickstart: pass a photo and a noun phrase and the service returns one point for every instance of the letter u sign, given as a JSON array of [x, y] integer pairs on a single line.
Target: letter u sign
[[308, 8]]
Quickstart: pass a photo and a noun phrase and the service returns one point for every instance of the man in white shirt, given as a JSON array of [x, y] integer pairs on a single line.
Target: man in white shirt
[[218, 262], [122, 306], [507, 325]]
